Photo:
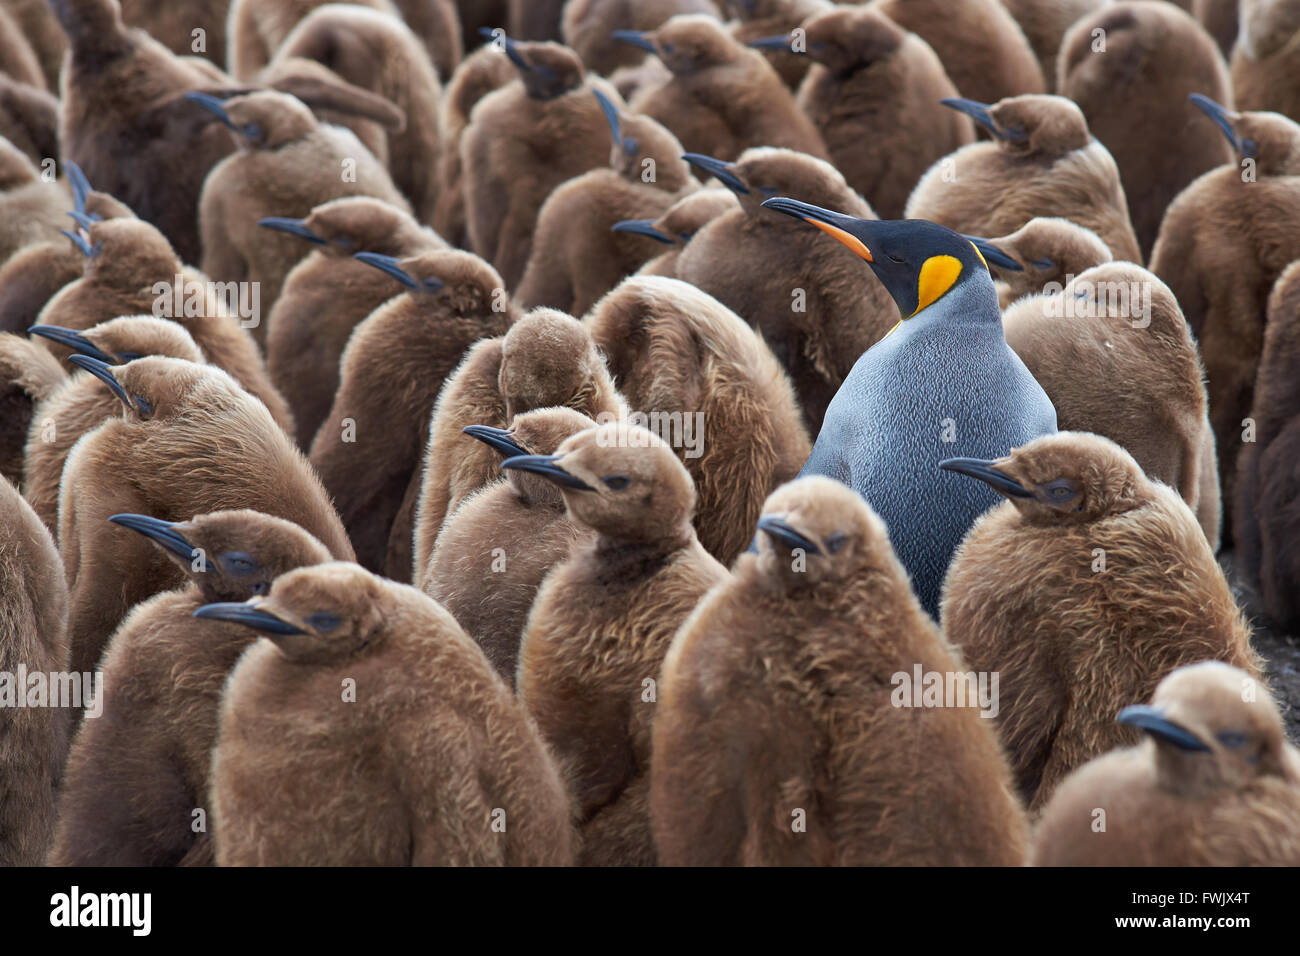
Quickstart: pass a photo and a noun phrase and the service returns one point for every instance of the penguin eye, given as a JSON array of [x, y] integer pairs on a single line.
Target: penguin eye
[[1043, 264], [238, 562], [322, 621], [669, 48], [894, 258], [143, 406], [768, 190], [252, 131], [261, 587], [617, 482], [343, 242], [128, 356], [836, 542], [1232, 739], [1059, 492], [630, 146], [1250, 148]]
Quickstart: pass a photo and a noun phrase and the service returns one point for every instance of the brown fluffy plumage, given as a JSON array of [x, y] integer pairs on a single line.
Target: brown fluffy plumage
[[777, 739], [588, 26], [28, 375], [1026, 596], [1057, 169], [681, 222], [759, 19], [137, 774], [1265, 57], [810, 303], [494, 550], [601, 625], [1048, 250], [370, 447], [1156, 56], [1044, 23], [192, 441], [33, 635], [1236, 803], [31, 209], [432, 762], [706, 383]]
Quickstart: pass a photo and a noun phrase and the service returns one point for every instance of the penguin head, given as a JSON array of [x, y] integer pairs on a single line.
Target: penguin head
[[1271, 139], [1032, 126], [764, 172], [1064, 478], [230, 555], [128, 255], [918, 262], [547, 70], [155, 389], [262, 120], [454, 281], [318, 614], [345, 226], [621, 481], [815, 532], [639, 143], [1045, 250], [687, 43], [549, 358], [539, 432], [125, 339], [1212, 727], [848, 39]]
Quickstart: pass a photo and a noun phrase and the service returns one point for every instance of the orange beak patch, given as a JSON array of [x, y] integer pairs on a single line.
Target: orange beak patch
[[850, 240]]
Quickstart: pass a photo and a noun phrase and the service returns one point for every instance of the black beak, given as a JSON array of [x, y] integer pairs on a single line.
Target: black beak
[[995, 256], [979, 112], [512, 51], [722, 172], [82, 219], [214, 106], [163, 532], [80, 184], [545, 465], [636, 38], [1220, 116], [611, 115], [237, 612], [839, 226], [986, 472], [777, 528], [73, 340], [104, 372], [781, 42], [497, 438], [82, 244], [1153, 721], [643, 227], [387, 264], [293, 227]]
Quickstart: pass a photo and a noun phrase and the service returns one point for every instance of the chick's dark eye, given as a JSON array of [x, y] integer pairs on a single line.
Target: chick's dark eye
[[143, 406], [128, 356], [1232, 739], [238, 562], [261, 587], [836, 542], [322, 621], [617, 482], [768, 190]]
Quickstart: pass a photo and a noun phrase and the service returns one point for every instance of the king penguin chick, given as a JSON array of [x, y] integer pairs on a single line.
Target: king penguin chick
[[1046, 252], [592, 27], [1144, 389], [775, 705], [428, 761], [982, 47], [706, 383], [80, 403], [131, 269], [1214, 783], [723, 98], [1083, 590], [368, 450], [1156, 56], [1042, 161], [190, 441], [328, 293], [34, 639], [287, 164], [31, 209], [574, 258], [806, 299], [1264, 513], [1221, 248], [942, 383], [678, 226], [762, 19], [137, 773], [875, 94], [602, 622], [1264, 59], [494, 551], [1044, 23], [522, 141], [547, 359]]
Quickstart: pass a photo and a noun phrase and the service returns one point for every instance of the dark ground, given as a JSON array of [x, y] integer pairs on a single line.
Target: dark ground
[[1281, 651]]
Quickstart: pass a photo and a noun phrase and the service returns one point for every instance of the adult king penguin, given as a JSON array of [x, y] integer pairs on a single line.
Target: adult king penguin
[[941, 380]]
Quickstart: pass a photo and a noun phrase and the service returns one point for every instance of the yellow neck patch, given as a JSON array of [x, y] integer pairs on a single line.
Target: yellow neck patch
[[938, 273]]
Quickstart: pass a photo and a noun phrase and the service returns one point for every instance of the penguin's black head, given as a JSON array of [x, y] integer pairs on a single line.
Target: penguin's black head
[[918, 261]]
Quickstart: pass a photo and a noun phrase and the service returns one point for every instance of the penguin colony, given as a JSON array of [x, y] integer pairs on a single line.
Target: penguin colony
[[682, 432]]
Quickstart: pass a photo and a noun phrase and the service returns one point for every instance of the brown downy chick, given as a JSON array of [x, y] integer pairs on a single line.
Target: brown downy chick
[[1214, 783], [494, 551], [368, 451], [31, 209], [1082, 590], [776, 708], [1042, 161], [759, 19], [678, 226], [428, 760], [138, 773], [589, 27], [1265, 57], [602, 622], [190, 441], [1050, 251], [1044, 23]]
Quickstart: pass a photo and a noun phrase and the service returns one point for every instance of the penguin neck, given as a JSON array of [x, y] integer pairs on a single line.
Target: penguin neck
[[972, 302]]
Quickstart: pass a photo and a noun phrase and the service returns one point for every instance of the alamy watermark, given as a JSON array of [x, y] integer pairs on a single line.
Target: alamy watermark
[[190, 298], [82, 689], [923, 688], [680, 430]]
